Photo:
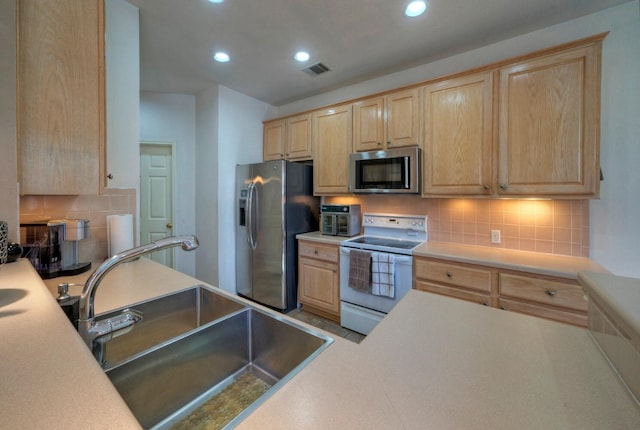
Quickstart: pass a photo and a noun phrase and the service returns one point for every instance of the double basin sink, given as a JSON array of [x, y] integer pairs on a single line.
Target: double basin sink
[[199, 358]]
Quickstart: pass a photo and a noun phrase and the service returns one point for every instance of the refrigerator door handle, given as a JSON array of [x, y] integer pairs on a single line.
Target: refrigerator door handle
[[251, 221]]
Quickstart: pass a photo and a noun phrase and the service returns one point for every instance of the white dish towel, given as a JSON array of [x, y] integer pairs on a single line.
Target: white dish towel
[[383, 270]]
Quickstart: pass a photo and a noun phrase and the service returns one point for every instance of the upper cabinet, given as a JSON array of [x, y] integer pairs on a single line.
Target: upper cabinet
[[458, 136], [61, 96], [332, 141], [288, 139], [522, 127], [273, 140], [385, 122], [549, 124]]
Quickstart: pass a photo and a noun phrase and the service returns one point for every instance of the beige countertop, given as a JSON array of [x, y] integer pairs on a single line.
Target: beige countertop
[[433, 362], [532, 262]]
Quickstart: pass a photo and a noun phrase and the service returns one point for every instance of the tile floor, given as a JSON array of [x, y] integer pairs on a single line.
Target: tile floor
[[325, 324]]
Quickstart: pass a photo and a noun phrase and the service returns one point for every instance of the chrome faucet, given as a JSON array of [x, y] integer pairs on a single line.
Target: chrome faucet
[[97, 333]]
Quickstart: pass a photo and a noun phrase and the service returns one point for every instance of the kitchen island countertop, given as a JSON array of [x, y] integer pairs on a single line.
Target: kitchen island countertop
[[433, 362]]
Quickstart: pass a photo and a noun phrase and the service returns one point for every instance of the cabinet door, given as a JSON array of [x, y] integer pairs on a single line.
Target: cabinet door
[[332, 140], [319, 284], [61, 99], [458, 136], [549, 117], [368, 125], [273, 140], [403, 118], [299, 137]]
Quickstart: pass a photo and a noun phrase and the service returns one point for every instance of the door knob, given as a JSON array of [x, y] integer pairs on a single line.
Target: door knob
[[169, 225]]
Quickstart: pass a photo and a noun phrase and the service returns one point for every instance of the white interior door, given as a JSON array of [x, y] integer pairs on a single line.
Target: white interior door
[[156, 197]]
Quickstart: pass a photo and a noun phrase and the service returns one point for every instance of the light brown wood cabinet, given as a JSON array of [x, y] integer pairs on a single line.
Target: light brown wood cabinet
[[288, 139], [458, 136], [549, 297], [61, 96], [390, 121], [553, 298], [319, 278], [332, 142], [549, 124], [522, 127], [466, 282]]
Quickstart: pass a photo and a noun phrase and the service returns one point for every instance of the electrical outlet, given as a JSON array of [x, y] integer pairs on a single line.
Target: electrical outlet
[[495, 236]]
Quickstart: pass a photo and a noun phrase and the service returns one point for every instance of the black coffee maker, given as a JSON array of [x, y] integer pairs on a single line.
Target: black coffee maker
[[52, 246]]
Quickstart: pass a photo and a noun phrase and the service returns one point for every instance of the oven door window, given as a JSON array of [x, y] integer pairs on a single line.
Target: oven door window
[[388, 173]]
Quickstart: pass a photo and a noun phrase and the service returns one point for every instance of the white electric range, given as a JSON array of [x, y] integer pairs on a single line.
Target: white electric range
[[390, 240]]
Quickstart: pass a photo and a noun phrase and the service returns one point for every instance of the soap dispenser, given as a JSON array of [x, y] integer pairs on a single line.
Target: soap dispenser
[[69, 304]]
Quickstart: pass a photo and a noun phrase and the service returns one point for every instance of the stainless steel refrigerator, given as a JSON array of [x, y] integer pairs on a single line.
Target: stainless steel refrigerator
[[274, 203]]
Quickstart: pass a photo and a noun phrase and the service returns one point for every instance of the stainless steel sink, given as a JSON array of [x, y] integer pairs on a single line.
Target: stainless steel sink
[[216, 374], [165, 318]]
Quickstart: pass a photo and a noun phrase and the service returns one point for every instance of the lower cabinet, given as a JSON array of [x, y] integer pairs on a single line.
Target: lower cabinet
[[552, 298], [541, 296], [456, 280], [319, 278]]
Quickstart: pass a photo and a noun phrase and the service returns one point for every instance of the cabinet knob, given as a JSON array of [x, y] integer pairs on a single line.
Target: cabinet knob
[[169, 225], [551, 293], [379, 143], [485, 187], [109, 176], [504, 308], [485, 303], [503, 186], [315, 252], [449, 274]]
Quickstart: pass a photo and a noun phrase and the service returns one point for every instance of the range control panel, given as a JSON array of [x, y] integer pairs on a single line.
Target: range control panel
[[409, 222]]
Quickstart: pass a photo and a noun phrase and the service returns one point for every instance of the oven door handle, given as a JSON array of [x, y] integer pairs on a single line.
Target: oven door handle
[[398, 258]]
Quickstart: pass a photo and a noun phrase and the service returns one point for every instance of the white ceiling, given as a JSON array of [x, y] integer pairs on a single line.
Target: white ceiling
[[356, 39]]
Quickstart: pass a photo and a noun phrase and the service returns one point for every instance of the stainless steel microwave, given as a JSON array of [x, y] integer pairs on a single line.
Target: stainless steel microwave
[[390, 171]]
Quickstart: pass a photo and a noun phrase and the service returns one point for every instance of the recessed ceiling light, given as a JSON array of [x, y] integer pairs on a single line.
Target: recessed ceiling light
[[216, 1], [221, 57], [415, 8], [301, 56]]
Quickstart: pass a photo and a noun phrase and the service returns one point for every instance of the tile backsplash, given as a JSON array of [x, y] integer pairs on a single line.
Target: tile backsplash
[[550, 226], [95, 208]]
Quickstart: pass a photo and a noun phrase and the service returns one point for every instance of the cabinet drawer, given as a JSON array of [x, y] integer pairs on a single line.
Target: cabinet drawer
[[453, 292], [467, 277], [319, 251], [544, 291], [541, 311]]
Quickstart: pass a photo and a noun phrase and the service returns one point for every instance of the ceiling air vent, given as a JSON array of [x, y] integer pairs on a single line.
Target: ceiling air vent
[[316, 69]]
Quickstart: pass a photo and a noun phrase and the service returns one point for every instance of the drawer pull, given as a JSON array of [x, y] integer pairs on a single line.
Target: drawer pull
[[504, 308], [449, 274], [551, 293]]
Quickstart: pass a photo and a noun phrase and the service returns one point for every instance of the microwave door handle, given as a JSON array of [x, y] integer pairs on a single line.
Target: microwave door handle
[[250, 216], [407, 173]]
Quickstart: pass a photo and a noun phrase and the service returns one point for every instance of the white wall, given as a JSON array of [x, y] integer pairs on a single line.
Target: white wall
[[206, 185], [239, 142], [615, 229], [8, 154], [172, 118], [122, 93]]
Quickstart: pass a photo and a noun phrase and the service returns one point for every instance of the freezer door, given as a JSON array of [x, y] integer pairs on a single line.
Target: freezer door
[[243, 251]]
